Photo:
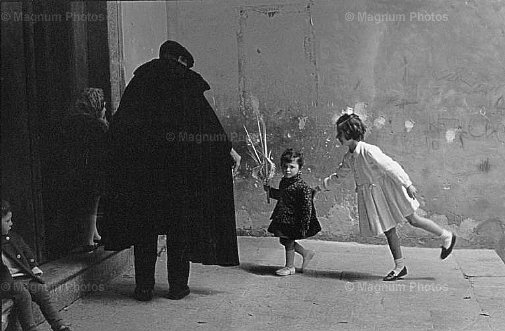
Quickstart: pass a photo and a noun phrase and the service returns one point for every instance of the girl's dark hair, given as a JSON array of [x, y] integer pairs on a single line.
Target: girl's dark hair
[[6, 207], [351, 127], [289, 155]]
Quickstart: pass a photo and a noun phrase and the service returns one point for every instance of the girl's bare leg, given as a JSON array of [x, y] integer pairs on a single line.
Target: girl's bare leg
[[307, 254], [396, 250], [289, 246], [96, 235], [448, 238], [425, 224], [394, 243]]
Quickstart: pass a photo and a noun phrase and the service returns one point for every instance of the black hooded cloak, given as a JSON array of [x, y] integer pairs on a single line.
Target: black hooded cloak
[[170, 167]]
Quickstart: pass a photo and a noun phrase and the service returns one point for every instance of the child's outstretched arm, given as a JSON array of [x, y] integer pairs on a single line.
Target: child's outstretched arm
[[392, 168], [272, 192], [343, 169]]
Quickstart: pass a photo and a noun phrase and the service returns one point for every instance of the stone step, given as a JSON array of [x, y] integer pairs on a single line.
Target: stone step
[[71, 277]]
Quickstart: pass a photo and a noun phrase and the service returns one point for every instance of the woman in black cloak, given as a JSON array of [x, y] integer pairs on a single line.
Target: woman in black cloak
[[170, 172]]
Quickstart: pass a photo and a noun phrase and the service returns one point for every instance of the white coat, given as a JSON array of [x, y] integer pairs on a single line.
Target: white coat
[[381, 187]]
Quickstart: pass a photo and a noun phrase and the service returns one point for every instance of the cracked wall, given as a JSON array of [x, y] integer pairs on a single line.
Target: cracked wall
[[430, 88]]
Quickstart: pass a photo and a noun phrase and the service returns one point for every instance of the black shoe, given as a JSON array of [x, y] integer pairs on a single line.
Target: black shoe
[[446, 251], [178, 294], [391, 276], [143, 294]]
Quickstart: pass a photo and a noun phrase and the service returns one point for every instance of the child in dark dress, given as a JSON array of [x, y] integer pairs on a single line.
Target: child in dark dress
[[294, 216]]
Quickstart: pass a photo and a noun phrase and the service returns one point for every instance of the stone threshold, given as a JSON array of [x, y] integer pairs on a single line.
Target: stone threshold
[[71, 277]]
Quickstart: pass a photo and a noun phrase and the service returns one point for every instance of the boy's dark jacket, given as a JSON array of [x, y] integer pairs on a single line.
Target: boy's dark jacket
[[15, 248]]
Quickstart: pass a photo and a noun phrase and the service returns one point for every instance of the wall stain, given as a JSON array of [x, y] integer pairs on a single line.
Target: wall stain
[[310, 53], [242, 60], [485, 166], [302, 120], [358, 83]]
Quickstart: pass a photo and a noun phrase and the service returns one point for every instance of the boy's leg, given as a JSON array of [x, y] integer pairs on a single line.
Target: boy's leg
[[396, 251], [145, 263], [448, 238], [41, 297], [305, 253], [17, 291], [177, 269]]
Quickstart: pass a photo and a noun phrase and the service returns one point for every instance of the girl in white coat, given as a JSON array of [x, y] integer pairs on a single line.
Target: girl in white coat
[[385, 193]]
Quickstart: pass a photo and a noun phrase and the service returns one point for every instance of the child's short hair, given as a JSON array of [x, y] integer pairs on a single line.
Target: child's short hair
[[289, 155], [6, 207], [351, 126]]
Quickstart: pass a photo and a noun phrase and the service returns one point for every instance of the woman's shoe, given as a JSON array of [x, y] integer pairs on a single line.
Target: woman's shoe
[[391, 276], [286, 271]]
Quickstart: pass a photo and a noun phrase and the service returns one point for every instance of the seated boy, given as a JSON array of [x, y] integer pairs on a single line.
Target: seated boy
[[21, 278]]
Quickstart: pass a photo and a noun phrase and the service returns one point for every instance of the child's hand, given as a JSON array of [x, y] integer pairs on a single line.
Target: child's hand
[[236, 160], [36, 271], [412, 191]]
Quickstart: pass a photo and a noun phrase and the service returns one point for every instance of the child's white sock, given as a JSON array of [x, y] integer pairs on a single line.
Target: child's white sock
[[399, 265], [446, 236]]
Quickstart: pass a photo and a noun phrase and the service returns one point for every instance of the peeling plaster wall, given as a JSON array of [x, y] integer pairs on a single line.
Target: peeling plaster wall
[[428, 77], [144, 29]]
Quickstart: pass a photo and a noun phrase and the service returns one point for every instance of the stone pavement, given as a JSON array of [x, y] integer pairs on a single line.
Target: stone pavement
[[342, 290]]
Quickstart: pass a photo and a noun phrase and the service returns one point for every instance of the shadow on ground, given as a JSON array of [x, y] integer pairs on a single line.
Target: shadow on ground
[[349, 276], [260, 270]]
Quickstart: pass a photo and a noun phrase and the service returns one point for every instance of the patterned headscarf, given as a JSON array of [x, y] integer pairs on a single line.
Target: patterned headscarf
[[91, 101]]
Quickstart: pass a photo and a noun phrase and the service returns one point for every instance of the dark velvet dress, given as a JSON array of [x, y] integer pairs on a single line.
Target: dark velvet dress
[[169, 160], [294, 216], [84, 144]]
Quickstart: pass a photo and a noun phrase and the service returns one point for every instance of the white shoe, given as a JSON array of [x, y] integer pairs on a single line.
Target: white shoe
[[286, 271]]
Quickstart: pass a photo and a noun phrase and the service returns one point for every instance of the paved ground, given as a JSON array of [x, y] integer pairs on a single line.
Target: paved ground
[[342, 290]]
